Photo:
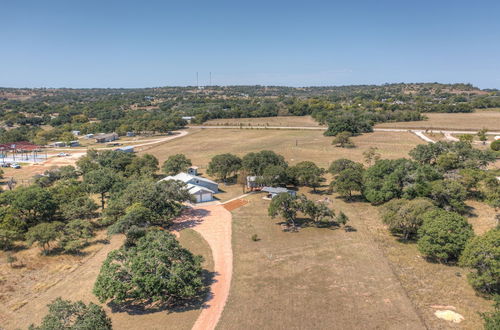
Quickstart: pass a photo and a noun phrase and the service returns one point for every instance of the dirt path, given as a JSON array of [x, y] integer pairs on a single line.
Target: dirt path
[[213, 222]]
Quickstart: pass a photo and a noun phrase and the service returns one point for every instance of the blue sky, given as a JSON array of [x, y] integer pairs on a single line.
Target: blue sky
[[107, 43]]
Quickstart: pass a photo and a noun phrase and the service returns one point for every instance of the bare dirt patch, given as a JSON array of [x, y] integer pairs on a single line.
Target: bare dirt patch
[[233, 205]]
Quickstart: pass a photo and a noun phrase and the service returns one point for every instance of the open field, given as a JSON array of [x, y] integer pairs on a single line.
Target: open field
[[329, 278], [25, 291], [287, 121], [202, 144], [452, 121]]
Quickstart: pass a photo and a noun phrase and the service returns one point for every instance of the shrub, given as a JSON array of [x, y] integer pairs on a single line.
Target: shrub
[[64, 314], [443, 235], [482, 253], [495, 145]]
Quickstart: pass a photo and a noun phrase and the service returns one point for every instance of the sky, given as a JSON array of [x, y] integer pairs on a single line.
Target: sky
[[108, 43]]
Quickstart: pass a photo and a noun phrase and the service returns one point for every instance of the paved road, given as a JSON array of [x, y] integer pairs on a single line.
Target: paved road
[[322, 128]]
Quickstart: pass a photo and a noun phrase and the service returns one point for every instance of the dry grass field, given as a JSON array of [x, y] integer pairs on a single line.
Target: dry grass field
[[453, 121], [25, 291], [322, 278], [295, 145], [286, 121]]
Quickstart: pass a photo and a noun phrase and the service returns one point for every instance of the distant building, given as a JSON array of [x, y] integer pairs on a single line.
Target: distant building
[[202, 189], [103, 138], [126, 149], [89, 136], [188, 118], [75, 133], [130, 134], [58, 144], [75, 143]]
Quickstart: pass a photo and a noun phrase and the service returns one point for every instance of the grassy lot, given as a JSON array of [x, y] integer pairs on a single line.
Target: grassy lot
[[25, 291], [329, 278], [453, 121], [202, 144], [286, 121]]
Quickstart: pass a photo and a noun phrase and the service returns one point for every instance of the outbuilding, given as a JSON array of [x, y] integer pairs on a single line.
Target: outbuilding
[[103, 138], [274, 191]]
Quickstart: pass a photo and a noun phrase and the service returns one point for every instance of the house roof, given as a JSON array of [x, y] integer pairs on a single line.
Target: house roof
[[184, 177], [275, 190], [193, 189]]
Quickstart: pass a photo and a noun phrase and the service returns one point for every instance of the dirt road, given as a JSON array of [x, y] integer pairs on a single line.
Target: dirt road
[[213, 222]]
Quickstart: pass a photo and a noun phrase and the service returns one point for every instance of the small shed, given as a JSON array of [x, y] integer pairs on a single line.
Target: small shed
[[89, 136], [75, 143], [274, 191], [130, 134], [126, 149], [75, 133], [193, 170], [253, 182]]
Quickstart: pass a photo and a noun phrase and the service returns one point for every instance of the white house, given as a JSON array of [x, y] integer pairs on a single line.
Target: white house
[[201, 188]]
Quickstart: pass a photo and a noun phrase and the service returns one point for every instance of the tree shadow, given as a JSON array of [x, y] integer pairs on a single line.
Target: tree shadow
[[349, 229], [190, 218], [199, 302], [353, 199]]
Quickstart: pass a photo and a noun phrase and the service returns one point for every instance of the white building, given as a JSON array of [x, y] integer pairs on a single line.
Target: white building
[[202, 189]]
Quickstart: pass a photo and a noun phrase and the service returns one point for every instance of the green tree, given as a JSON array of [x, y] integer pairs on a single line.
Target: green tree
[[466, 138], [135, 215], [449, 194], [101, 181], [31, 205], [482, 135], [162, 198], [255, 163], [343, 140], [176, 164], [274, 175], [64, 314], [495, 145], [318, 212], [347, 181], [482, 253], [307, 173], [404, 217], [342, 164], [44, 234], [156, 270], [443, 235], [224, 166], [143, 165], [75, 235], [285, 206]]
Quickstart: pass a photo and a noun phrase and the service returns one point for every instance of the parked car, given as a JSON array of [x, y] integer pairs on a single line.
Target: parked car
[[15, 165], [62, 154]]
